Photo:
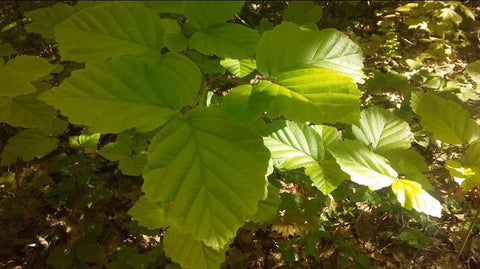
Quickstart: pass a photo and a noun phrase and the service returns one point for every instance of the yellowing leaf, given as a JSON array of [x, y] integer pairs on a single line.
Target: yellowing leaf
[[411, 196]]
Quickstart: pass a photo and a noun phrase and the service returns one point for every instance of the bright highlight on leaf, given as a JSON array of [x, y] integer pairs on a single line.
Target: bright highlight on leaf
[[411, 196], [447, 120], [289, 47], [126, 92], [363, 166], [381, 131], [208, 173]]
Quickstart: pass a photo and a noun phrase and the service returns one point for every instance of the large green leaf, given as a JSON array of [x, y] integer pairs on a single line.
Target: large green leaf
[[381, 131], [208, 172], [447, 120], [16, 76], [290, 47], [315, 95], [203, 14], [148, 214], [44, 20], [110, 29], [363, 166], [191, 253], [411, 196], [28, 144], [239, 67], [172, 7], [294, 145], [126, 92], [228, 40], [26, 111]]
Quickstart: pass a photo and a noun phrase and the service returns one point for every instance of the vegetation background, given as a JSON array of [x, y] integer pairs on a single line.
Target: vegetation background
[[69, 208]]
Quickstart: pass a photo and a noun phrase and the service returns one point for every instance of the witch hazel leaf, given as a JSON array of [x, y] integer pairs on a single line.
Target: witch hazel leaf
[[208, 172]]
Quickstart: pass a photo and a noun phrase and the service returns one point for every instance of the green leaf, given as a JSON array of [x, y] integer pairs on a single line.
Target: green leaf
[[290, 47], [208, 173], [26, 111], [87, 141], [314, 95], [447, 120], [413, 237], [303, 13], [109, 30], [473, 70], [381, 131], [204, 14], [411, 196], [28, 144], [237, 105], [385, 82], [148, 214], [16, 76], [44, 20], [411, 164], [268, 208], [129, 151], [228, 40], [363, 166], [107, 95], [191, 253], [239, 67]]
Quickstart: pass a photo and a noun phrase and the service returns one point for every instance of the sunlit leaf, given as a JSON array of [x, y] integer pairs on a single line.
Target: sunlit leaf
[[411, 196], [289, 47], [363, 166], [127, 92], [208, 172], [381, 131], [87, 141], [109, 30]]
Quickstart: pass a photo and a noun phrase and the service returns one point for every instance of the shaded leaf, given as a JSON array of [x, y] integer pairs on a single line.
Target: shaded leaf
[[16, 76], [28, 144], [44, 20], [204, 14], [228, 40], [447, 120], [148, 214], [27, 111]]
